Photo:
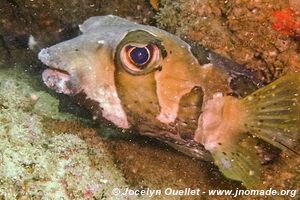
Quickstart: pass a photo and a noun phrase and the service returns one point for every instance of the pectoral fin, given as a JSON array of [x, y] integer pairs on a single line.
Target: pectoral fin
[[238, 161]]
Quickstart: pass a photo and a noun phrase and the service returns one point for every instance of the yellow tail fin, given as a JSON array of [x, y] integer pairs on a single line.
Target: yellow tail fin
[[273, 112]]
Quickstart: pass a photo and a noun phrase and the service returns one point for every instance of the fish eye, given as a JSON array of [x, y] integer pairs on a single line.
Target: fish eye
[[140, 59], [139, 55]]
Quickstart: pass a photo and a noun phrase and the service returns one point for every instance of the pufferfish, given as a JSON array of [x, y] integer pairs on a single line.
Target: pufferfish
[[145, 79]]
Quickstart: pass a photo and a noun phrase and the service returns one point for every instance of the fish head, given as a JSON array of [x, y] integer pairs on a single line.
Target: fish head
[[138, 76]]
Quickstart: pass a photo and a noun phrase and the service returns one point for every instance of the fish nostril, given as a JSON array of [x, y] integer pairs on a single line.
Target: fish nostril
[[44, 56]]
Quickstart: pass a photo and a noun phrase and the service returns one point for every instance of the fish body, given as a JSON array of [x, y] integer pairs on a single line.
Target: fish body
[[141, 78]]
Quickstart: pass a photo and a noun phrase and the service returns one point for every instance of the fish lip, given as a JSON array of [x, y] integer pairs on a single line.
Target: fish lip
[[57, 80], [53, 76]]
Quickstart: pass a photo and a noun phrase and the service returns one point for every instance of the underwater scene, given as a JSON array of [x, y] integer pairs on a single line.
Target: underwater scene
[[150, 99]]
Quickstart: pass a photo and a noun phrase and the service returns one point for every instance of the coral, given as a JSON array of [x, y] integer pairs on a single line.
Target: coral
[[241, 30], [168, 15], [19, 94], [197, 20], [36, 164], [154, 4], [286, 23]]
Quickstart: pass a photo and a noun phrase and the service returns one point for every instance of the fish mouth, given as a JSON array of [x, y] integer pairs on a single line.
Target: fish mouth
[[54, 77], [57, 80]]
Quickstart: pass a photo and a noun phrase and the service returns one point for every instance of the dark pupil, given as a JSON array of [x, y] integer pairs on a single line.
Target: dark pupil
[[139, 55]]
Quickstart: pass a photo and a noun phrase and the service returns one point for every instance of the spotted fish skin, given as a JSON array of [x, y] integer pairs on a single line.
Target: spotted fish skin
[[142, 78]]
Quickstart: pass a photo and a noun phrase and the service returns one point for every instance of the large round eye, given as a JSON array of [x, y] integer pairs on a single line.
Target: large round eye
[[139, 55], [140, 59]]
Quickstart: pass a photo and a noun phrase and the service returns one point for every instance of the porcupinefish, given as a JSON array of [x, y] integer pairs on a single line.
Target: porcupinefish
[[141, 78]]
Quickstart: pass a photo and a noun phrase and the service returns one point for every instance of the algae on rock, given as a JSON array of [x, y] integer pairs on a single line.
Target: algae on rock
[[239, 29], [35, 164]]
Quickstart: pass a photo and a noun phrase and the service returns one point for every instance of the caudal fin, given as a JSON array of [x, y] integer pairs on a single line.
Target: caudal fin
[[273, 112], [227, 127]]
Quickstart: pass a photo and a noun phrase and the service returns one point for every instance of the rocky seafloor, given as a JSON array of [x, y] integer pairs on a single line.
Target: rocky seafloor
[[38, 161], [48, 153]]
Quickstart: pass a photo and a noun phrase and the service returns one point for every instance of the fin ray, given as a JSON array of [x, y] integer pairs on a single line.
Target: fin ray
[[238, 163], [274, 112]]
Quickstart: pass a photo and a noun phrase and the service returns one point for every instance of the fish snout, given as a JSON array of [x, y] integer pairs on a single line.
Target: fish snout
[[51, 58]]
